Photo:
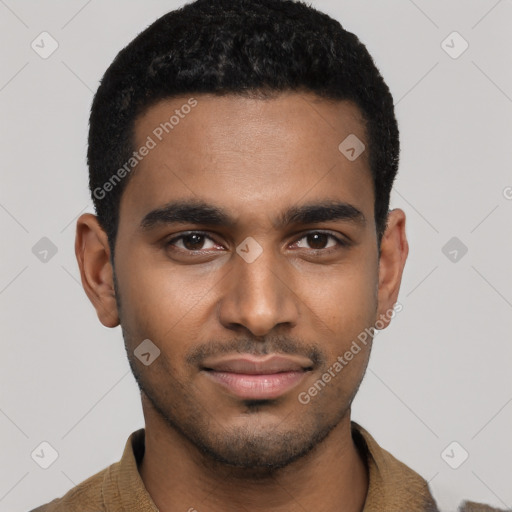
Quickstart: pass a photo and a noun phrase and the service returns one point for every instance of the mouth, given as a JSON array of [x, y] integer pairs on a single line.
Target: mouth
[[256, 378]]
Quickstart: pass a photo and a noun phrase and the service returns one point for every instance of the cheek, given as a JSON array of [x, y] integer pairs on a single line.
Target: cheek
[[347, 312], [344, 298], [161, 301]]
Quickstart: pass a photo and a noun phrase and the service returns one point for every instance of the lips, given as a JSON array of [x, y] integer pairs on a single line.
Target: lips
[[257, 365], [257, 378]]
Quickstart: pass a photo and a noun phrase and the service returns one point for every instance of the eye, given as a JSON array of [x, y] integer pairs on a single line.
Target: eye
[[193, 241], [318, 240]]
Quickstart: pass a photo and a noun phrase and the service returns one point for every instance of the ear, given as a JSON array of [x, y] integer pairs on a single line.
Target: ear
[[393, 254], [93, 256]]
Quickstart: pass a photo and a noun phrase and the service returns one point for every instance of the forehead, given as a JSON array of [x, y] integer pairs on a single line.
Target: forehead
[[249, 155]]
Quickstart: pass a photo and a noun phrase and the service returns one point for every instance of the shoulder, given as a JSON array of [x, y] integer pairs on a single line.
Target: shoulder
[[392, 484], [110, 488], [471, 506], [85, 497]]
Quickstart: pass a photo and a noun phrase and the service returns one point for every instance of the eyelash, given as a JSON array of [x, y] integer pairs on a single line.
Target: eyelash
[[341, 243]]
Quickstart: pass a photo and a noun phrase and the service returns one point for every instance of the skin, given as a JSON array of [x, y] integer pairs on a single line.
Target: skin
[[205, 448]]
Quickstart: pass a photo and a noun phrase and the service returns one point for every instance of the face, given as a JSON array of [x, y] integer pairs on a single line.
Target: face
[[247, 254]]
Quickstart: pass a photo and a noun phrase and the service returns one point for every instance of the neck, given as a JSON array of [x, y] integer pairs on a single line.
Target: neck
[[331, 477]]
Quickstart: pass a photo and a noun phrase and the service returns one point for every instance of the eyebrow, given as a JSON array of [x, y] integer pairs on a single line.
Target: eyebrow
[[200, 212], [324, 211]]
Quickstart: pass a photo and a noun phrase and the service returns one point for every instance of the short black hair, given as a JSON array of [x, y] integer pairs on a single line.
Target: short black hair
[[241, 47]]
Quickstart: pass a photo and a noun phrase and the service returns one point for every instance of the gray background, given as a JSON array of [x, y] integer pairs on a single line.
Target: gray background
[[440, 373]]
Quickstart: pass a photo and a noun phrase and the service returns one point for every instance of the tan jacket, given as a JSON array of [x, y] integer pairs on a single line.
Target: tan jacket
[[393, 487]]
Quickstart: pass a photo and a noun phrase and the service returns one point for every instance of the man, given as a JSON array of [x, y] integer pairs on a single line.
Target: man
[[241, 158]]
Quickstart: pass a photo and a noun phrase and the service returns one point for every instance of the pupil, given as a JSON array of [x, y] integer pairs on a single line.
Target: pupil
[[192, 246], [323, 238]]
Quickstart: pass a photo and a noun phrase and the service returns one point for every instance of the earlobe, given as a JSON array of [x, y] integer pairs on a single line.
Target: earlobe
[[93, 256], [393, 255]]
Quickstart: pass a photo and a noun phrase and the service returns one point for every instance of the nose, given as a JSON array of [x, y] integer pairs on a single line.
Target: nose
[[259, 296]]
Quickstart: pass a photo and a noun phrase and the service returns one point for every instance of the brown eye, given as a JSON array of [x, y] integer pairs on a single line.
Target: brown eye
[[319, 241], [191, 242]]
